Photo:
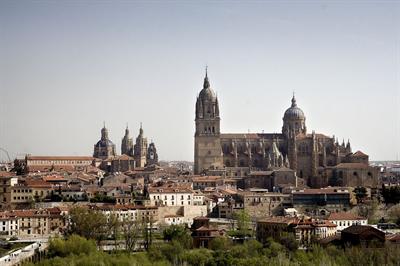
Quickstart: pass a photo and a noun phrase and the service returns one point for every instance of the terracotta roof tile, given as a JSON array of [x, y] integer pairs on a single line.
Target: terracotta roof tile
[[344, 216]]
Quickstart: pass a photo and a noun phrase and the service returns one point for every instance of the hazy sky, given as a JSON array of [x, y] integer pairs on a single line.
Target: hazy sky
[[65, 67]]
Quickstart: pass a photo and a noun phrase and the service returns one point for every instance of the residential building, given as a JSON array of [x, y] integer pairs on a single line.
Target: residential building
[[346, 219], [171, 195]]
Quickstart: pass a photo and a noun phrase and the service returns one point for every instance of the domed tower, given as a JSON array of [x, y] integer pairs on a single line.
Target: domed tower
[[207, 149], [294, 120], [104, 148], [127, 144]]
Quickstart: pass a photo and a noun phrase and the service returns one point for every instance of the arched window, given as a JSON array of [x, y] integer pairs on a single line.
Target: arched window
[[227, 163]]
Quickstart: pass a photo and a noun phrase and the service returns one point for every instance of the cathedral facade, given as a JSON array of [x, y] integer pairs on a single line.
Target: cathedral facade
[[138, 154], [316, 158], [143, 153]]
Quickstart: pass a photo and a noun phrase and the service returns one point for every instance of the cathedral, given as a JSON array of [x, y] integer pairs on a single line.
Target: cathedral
[[104, 148], [318, 159], [138, 154]]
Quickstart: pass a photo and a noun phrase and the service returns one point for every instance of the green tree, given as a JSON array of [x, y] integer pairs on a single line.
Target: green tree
[[131, 233], [360, 193], [394, 213], [391, 195], [243, 222], [88, 223], [178, 233], [73, 245], [198, 257], [220, 243]]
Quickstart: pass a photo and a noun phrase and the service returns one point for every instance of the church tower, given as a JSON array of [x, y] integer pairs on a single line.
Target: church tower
[[152, 156], [294, 120], [207, 144], [127, 144], [140, 149], [104, 148]]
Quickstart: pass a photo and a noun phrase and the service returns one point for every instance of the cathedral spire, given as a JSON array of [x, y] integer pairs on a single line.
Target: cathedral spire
[[206, 81], [104, 132], [126, 130], [294, 104]]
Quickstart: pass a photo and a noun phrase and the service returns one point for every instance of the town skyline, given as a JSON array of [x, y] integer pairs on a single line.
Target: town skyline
[[59, 84]]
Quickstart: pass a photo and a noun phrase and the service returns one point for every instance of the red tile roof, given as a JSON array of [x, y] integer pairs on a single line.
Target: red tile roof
[[359, 154], [344, 216], [60, 158]]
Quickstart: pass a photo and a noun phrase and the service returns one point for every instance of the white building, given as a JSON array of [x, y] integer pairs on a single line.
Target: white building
[[174, 219], [8, 224], [346, 219], [171, 196]]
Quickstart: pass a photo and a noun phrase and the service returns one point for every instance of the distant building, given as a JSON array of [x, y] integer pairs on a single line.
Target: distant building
[[140, 149], [57, 163], [171, 196], [127, 144], [311, 156], [346, 219], [363, 235], [104, 148], [321, 201], [152, 156], [203, 232], [143, 154]]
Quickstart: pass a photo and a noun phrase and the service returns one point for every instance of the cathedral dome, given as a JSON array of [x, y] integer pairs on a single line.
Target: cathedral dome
[[207, 94], [293, 112], [103, 143]]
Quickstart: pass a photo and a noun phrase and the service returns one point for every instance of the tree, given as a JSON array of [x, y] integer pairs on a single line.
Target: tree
[[220, 243], [243, 222], [368, 210], [391, 195], [394, 213], [73, 245], [114, 225], [178, 233], [198, 257], [361, 194], [131, 232], [88, 223], [289, 241]]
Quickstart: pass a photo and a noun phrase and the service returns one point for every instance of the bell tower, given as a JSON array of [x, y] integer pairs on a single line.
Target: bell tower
[[207, 147]]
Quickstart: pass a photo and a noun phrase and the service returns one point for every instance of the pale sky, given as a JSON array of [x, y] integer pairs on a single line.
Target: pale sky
[[67, 66]]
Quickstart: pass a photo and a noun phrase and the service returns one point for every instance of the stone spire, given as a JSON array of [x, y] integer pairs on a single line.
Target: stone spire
[[206, 83], [104, 132], [141, 129], [294, 104]]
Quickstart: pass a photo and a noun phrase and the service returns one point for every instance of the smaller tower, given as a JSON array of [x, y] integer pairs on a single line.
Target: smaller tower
[[127, 143], [152, 156], [348, 147], [140, 149]]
